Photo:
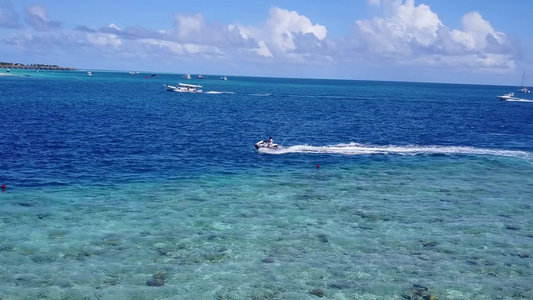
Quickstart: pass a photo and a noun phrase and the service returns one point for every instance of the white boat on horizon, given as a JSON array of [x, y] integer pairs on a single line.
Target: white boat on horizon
[[187, 76], [223, 78], [184, 88], [521, 94]]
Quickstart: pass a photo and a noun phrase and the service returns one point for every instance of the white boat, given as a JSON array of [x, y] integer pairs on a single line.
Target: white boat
[[201, 77], [184, 88], [89, 73], [508, 97], [187, 76], [223, 78], [521, 94], [266, 144]]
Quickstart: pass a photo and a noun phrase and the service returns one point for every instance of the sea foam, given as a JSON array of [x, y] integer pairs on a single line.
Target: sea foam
[[361, 149]]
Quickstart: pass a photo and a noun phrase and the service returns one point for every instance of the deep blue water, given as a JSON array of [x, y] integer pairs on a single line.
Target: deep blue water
[[111, 180], [114, 127]]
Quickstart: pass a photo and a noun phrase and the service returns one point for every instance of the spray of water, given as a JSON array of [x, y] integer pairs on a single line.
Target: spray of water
[[360, 149]]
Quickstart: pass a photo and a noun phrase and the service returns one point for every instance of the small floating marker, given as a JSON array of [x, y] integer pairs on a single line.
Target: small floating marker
[[317, 166], [3, 187]]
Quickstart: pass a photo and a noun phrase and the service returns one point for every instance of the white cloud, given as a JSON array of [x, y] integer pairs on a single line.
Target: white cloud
[[173, 47], [410, 25], [181, 49], [476, 30], [38, 18], [285, 36], [405, 34], [189, 27], [112, 25], [280, 34], [104, 39], [263, 49], [415, 33], [283, 25]]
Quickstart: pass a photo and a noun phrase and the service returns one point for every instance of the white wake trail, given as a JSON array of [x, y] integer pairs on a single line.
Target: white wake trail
[[519, 100], [217, 92], [359, 149]]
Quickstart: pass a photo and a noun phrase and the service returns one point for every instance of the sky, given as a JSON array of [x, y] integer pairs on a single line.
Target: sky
[[451, 41]]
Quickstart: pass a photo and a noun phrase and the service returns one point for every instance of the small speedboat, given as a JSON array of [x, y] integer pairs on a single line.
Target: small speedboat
[[184, 88], [521, 94], [508, 97], [266, 144]]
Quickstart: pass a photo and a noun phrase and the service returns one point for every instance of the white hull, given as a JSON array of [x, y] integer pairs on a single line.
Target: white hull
[[523, 94], [266, 144], [518, 96], [183, 88], [508, 97]]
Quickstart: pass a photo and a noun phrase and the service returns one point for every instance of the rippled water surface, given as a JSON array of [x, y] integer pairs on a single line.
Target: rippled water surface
[[117, 189]]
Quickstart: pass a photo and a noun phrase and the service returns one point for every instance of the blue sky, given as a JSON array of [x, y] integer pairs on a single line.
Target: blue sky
[[474, 41]]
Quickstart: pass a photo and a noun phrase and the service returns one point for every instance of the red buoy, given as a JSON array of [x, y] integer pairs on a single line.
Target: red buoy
[[317, 166]]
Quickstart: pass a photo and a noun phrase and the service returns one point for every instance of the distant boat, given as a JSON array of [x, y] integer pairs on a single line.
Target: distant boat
[[201, 77], [187, 76], [184, 88], [90, 73], [153, 75], [521, 94], [224, 78], [134, 73]]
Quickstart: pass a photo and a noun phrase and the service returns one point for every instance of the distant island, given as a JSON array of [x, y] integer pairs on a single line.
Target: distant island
[[6, 65]]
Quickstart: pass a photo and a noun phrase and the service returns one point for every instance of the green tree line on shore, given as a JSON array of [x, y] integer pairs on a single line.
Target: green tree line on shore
[[32, 66]]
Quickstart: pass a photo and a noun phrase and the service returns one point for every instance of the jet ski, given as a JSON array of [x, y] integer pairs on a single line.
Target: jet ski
[[266, 144]]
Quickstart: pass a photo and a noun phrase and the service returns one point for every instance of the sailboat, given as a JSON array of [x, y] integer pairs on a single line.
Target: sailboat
[[520, 95]]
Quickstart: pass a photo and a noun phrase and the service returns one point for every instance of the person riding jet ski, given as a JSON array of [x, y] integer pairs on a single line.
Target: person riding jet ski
[[269, 143]]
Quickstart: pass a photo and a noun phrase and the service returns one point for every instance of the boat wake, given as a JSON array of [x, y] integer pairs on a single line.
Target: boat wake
[[519, 100], [218, 93], [359, 149], [261, 95]]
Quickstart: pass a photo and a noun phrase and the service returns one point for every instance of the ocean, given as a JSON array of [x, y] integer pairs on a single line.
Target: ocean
[[118, 189]]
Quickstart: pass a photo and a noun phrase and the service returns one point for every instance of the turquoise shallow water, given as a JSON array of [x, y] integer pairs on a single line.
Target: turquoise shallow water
[[136, 193]]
